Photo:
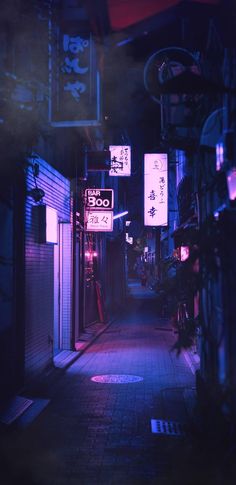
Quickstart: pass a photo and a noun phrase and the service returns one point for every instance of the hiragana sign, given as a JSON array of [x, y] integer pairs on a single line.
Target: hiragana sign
[[120, 160], [74, 84]]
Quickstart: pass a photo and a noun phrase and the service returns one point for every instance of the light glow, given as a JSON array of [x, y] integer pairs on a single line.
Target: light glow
[[231, 182], [122, 214], [219, 156], [129, 239], [51, 225], [91, 254], [184, 253], [116, 379]]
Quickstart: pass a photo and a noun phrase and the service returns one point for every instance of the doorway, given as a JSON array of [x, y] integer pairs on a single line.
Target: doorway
[[62, 332]]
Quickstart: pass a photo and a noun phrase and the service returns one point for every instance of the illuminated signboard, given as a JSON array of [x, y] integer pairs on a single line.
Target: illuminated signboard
[[74, 81], [155, 189], [120, 160], [99, 221], [48, 224], [51, 225], [99, 199]]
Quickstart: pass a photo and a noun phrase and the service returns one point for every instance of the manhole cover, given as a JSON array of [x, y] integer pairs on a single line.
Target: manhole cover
[[116, 379], [170, 428]]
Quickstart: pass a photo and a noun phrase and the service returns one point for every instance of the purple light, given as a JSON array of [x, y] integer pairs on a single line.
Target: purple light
[[121, 214], [116, 379], [184, 253], [51, 225], [125, 41], [231, 182], [219, 156]]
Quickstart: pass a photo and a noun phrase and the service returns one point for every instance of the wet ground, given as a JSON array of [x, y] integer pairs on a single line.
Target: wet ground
[[97, 427]]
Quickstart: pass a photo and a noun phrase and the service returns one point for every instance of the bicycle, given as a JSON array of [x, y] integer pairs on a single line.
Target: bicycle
[[185, 328]]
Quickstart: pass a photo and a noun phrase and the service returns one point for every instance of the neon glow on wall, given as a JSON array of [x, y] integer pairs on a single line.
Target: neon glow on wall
[[155, 189], [120, 160]]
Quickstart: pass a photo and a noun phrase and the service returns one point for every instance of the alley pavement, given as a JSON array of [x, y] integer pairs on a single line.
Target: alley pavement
[[122, 413]]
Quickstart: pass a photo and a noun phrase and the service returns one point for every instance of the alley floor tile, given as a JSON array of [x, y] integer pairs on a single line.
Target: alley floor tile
[[99, 431]]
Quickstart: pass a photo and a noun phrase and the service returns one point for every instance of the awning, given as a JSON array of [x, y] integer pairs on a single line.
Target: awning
[[187, 232], [124, 13], [212, 129]]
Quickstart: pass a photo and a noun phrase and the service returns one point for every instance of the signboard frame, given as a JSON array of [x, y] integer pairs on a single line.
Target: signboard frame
[[120, 160], [156, 189], [92, 219], [74, 79], [99, 195]]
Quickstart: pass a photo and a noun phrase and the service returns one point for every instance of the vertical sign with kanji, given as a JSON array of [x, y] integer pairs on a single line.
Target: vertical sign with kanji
[[98, 221], [155, 189], [73, 78], [120, 160]]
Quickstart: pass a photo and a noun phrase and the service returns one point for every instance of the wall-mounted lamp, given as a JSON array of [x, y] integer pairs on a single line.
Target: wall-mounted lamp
[[225, 162], [184, 253], [37, 194], [231, 183], [46, 224], [181, 253]]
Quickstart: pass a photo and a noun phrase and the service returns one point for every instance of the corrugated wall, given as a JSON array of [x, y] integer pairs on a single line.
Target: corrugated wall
[[39, 268], [65, 286]]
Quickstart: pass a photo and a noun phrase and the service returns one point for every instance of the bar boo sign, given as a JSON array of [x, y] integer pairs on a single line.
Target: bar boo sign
[[99, 199]]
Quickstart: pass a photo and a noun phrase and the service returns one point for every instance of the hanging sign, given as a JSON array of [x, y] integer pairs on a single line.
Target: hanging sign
[[74, 83], [155, 189], [98, 221], [99, 199], [120, 160]]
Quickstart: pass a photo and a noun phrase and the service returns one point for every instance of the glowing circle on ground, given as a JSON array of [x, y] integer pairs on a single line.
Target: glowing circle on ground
[[116, 379]]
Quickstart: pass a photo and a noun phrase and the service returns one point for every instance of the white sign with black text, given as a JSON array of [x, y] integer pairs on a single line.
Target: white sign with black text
[[120, 160], [155, 189], [99, 221]]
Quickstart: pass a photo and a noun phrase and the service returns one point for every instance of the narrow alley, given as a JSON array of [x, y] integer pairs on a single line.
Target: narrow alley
[[117, 242], [100, 420]]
